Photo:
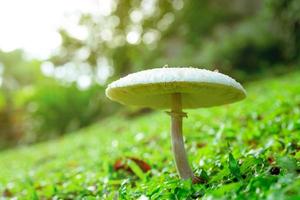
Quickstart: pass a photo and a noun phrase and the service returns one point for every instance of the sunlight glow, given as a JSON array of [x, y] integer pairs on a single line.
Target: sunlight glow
[[104, 70], [151, 36], [136, 16], [32, 24], [148, 7], [84, 82], [47, 68], [133, 37]]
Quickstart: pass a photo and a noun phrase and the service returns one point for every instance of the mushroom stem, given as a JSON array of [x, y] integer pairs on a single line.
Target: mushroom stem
[[182, 165]]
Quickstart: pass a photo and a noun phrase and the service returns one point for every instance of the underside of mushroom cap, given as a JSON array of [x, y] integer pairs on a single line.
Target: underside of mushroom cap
[[153, 88]]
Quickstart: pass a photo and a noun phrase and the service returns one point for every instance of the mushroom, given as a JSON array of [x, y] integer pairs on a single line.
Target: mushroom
[[176, 89]]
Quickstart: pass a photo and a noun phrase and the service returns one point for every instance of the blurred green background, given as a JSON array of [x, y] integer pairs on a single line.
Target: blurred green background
[[44, 98]]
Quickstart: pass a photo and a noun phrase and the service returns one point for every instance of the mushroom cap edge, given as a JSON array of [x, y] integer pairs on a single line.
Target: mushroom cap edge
[[153, 88]]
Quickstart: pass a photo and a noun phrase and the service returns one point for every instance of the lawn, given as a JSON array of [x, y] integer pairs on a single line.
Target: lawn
[[247, 150]]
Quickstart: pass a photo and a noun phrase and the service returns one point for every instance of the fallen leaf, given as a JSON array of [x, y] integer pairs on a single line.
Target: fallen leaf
[[7, 193], [271, 160], [198, 180], [119, 165], [123, 164], [142, 164], [201, 145]]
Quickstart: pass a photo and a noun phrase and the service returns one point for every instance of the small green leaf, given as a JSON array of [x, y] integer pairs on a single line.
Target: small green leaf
[[136, 169], [221, 191], [287, 163], [249, 163], [234, 167]]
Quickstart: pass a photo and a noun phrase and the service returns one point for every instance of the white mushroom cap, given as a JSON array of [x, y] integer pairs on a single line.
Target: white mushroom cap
[[153, 88]]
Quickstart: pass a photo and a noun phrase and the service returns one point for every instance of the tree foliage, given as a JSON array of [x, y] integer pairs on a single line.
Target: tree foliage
[[241, 38]]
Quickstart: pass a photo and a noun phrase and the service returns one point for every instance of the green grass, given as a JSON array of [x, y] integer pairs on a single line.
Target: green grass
[[247, 150]]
